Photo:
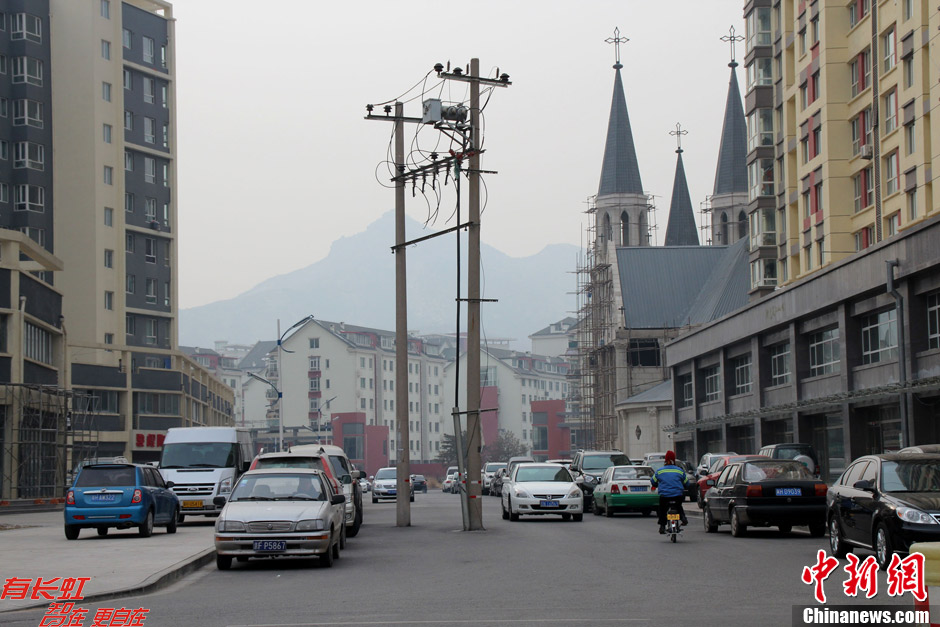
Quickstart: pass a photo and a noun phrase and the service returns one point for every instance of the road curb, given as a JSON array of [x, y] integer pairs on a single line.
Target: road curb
[[155, 582]]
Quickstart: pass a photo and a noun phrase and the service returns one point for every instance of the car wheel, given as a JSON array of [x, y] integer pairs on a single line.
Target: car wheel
[[223, 562], [336, 547], [412, 498], [146, 528], [566, 517], [883, 547], [785, 528], [171, 526], [71, 532], [837, 544], [357, 522], [514, 517], [700, 500], [817, 530], [326, 558], [710, 525], [502, 506], [102, 531], [180, 519], [608, 510], [342, 537], [597, 511], [738, 529], [578, 517]]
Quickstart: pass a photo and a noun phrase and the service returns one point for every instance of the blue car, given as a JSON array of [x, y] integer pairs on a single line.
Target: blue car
[[120, 496]]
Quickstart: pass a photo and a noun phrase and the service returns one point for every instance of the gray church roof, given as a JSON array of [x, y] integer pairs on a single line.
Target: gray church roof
[[659, 393], [681, 229], [620, 173], [674, 286], [731, 175]]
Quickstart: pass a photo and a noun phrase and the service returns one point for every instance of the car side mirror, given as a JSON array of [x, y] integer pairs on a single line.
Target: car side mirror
[[579, 479], [371, 477], [358, 474], [864, 484], [219, 500], [346, 478], [338, 499], [169, 484], [246, 465], [710, 482]]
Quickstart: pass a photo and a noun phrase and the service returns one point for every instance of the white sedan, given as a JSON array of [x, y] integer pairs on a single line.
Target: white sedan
[[540, 489]]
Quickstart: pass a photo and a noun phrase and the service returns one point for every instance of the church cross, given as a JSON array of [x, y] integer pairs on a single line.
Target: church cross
[[732, 39], [678, 134], [617, 40]]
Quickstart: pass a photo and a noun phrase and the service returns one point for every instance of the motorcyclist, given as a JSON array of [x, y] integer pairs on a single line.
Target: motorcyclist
[[671, 481]]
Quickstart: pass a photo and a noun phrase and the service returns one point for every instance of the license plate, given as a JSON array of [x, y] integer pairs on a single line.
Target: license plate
[[637, 488], [672, 516], [192, 504], [102, 498], [270, 545], [392, 492], [789, 492], [548, 503]]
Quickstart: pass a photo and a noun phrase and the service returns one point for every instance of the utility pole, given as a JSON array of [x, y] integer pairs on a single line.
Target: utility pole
[[403, 477], [474, 438]]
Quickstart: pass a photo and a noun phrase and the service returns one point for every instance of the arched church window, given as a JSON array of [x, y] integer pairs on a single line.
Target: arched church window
[[624, 229], [742, 225], [723, 232], [608, 230]]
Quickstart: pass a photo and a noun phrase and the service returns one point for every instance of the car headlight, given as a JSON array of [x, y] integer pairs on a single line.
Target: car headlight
[[909, 514], [522, 494], [225, 486], [230, 525], [310, 525], [575, 494]]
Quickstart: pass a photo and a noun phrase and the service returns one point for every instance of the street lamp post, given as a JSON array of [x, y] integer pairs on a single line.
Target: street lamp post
[[320, 421], [276, 391], [280, 374]]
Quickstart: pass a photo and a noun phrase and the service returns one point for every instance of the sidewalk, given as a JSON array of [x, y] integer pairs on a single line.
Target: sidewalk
[[33, 545]]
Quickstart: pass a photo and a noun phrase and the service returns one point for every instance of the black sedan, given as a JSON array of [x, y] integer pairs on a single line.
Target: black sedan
[[884, 503], [420, 483], [765, 493]]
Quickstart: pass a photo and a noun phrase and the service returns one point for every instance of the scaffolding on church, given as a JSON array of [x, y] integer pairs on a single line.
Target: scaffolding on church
[[40, 436], [705, 210]]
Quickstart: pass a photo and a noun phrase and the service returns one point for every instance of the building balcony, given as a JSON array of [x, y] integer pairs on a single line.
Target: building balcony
[[313, 415], [313, 374], [314, 394]]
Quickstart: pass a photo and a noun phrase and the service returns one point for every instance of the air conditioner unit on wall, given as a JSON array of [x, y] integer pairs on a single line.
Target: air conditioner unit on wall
[[867, 152]]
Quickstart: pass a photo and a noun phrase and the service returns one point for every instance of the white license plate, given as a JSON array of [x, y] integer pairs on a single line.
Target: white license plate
[[548, 503], [270, 545]]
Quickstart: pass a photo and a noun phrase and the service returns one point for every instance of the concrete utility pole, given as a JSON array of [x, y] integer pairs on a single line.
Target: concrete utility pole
[[403, 481], [474, 438]]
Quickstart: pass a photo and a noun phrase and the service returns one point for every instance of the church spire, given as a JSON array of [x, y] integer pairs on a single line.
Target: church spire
[[620, 173], [731, 174], [681, 229]]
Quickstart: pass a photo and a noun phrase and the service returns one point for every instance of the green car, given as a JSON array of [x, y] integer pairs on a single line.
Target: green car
[[625, 489]]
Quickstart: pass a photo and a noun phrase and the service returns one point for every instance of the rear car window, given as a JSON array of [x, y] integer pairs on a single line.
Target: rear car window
[[603, 462], [790, 452], [115, 477], [291, 462], [633, 473], [778, 471]]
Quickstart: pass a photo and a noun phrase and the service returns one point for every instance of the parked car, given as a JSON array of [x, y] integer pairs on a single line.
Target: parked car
[[120, 496], [804, 453], [921, 448], [706, 461], [496, 485], [718, 465], [364, 485], [316, 461], [884, 503], [588, 466], [419, 483], [539, 489], [385, 485], [765, 493], [625, 489], [447, 485], [651, 456], [280, 512], [348, 477], [488, 471]]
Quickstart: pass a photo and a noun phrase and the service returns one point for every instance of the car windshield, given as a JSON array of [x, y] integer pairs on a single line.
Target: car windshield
[[386, 473], [542, 473], [908, 476], [491, 467], [107, 477], [290, 462], [198, 455], [776, 471], [603, 462], [279, 487], [633, 472]]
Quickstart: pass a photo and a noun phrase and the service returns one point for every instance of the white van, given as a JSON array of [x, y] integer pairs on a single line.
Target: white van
[[203, 463]]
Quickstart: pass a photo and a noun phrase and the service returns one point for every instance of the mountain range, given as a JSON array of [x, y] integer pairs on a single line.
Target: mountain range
[[355, 283]]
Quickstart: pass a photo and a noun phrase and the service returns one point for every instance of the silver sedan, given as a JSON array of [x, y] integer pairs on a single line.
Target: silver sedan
[[281, 512]]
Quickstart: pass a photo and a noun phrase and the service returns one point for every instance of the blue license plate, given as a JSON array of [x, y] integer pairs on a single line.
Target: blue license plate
[[789, 492], [270, 545], [102, 498], [637, 488], [392, 492], [548, 503]]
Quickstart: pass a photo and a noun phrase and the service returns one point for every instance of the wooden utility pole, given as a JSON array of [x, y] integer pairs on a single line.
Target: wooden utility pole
[[403, 435], [474, 438]]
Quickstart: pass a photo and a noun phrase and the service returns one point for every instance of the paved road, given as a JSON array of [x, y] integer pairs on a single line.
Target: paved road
[[601, 571]]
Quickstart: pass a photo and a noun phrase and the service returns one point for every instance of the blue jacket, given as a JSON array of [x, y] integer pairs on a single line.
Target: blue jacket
[[670, 480]]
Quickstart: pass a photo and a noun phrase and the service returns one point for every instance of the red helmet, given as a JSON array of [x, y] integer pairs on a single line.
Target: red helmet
[[670, 457]]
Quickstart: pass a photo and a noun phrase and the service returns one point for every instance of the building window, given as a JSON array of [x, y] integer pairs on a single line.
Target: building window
[[128, 80], [780, 364], [893, 224], [26, 26], [933, 320], [128, 202], [814, 29], [150, 209], [860, 73], [912, 204], [149, 130], [864, 238], [685, 389], [908, 72], [150, 250], [758, 28], [130, 283], [166, 183], [862, 187], [150, 170], [824, 352], [857, 10], [128, 121], [643, 352], [760, 174], [128, 161], [108, 258], [879, 337], [888, 44], [315, 343], [151, 293], [151, 331], [148, 50], [130, 325], [908, 9], [37, 343], [712, 378], [130, 242], [760, 129], [106, 133], [763, 273], [106, 91], [108, 175], [760, 73], [27, 113], [109, 300], [109, 338], [910, 139], [148, 90], [127, 38], [891, 111], [108, 216], [741, 366], [27, 70], [892, 174], [106, 9], [166, 303], [105, 49]]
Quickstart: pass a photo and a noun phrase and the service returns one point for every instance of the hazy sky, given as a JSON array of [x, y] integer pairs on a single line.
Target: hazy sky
[[276, 161]]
